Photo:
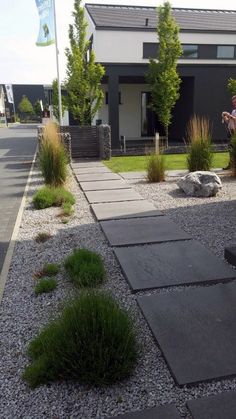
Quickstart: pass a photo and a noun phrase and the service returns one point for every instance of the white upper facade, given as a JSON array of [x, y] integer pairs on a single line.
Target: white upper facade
[[125, 44]]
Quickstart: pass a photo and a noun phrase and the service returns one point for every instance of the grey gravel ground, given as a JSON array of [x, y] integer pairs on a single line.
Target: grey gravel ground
[[22, 314], [210, 220]]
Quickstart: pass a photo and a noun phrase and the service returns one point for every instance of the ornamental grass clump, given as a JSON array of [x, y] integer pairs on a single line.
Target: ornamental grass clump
[[53, 158], [200, 153], [156, 168], [85, 268], [93, 341], [52, 196]]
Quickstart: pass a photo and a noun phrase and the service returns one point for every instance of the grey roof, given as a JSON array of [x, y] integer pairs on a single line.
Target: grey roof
[[134, 17]]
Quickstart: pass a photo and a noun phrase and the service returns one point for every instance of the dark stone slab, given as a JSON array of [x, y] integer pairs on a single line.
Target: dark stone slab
[[221, 406], [170, 264], [161, 412], [142, 231], [230, 255], [116, 195], [129, 209], [85, 170], [104, 185], [196, 331], [91, 177]]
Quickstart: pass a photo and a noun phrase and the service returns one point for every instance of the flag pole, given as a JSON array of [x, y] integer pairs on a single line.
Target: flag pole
[[58, 67]]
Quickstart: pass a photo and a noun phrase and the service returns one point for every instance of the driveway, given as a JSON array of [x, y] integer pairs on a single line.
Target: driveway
[[17, 148]]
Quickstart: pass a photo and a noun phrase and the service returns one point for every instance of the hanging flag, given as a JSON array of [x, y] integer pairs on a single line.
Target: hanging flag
[[9, 92], [47, 25]]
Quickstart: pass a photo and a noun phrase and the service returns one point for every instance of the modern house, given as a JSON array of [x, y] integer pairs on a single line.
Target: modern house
[[124, 38]]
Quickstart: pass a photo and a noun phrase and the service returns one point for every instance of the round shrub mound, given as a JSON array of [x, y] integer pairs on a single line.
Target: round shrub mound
[[49, 196], [93, 341], [85, 268], [45, 285]]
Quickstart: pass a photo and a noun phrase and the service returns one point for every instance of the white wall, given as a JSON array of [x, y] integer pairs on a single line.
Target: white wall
[[129, 111], [127, 46]]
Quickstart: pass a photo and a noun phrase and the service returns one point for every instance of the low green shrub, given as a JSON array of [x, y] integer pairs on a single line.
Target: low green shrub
[[42, 237], [156, 168], [53, 158], [47, 197], [92, 341], [85, 268], [45, 285], [200, 154], [50, 269]]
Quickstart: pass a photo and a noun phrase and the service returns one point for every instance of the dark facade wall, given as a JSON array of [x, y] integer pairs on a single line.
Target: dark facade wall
[[205, 94], [183, 110], [211, 96], [33, 92]]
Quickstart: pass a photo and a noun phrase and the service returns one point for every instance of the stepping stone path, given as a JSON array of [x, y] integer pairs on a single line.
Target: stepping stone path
[[222, 406], [130, 209], [114, 195], [230, 255], [87, 170], [162, 412], [103, 185], [142, 231], [93, 177], [194, 328], [171, 264]]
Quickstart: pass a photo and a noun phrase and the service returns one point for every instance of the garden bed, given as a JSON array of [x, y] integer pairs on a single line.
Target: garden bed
[[23, 314]]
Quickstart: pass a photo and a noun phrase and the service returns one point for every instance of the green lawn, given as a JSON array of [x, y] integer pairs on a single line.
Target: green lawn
[[173, 161]]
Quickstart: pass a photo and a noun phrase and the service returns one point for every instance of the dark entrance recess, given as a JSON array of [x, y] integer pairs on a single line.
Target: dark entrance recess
[[150, 122], [182, 113]]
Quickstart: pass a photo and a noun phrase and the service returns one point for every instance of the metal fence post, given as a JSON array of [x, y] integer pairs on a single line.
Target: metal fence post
[[157, 143]]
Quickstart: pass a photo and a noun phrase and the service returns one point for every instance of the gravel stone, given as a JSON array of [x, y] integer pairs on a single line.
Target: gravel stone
[[210, 220]]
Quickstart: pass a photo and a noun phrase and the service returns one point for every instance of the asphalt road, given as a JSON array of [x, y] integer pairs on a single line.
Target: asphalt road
[[17, 148]]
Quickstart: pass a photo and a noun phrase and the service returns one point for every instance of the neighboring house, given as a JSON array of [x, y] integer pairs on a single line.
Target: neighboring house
[[124, 38], [33, 92]]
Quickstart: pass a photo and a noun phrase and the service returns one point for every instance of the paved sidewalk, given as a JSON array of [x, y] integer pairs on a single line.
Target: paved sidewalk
[[17, 148]]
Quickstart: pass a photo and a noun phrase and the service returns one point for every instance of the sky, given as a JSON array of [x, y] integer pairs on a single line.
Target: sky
[[22, 62]]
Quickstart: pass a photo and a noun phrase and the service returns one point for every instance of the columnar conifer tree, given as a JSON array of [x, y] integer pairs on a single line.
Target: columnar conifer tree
[[84, 75], [162, 75]]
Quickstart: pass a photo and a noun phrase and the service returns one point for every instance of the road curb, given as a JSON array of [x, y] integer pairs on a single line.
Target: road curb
[[11, 247]]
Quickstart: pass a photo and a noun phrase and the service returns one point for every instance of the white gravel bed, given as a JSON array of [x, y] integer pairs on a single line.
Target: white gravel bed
[[212, 221], [22, 315]]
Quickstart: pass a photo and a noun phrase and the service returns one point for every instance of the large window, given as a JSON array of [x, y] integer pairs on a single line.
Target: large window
[[194, 51], [190, 51], [225, 51]]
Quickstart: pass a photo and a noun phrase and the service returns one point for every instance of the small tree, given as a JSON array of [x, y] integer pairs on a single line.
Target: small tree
[[85, 95], [25, 107], [162, 75], [37, 108], [232, 86], [55, 102]]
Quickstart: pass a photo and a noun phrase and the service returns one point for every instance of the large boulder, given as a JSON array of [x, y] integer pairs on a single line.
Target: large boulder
[[200, 184]]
